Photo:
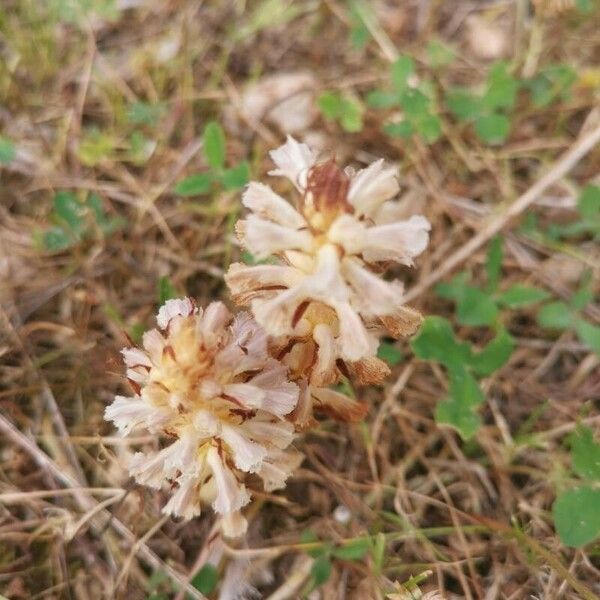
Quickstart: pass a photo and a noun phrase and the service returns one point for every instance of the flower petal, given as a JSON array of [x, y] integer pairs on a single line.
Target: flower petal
[[177, 307], [373, 295], [134, 357], [231, 495], [400, 241], [293, 160], [369, 371], [354, 339], [324, 371], [265, 238], [277, 468], [371, 187], [185, 502], [265, 203], [233, 525], [280, 395], [130, 413], [279, 434], [338, 406], [248, 282], [247, 455]]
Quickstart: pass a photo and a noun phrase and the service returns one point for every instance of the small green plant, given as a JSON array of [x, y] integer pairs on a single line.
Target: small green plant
[[562, 315], [576, 510], [480, 307], [390, 353], [437, 342], [359, 32], [7, 151], [206, 579], [76, 220], [325, 552], [551, 83], [414, 98], [588, 222], [489, 111], [166, 290], [343, 109], [214, 149]]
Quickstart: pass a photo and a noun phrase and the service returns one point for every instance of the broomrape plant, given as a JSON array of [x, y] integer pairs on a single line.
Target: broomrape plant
[[227, 394]]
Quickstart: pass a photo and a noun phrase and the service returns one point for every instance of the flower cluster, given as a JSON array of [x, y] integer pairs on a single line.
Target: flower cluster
[[324, 301], [206, 384], [225, 394]]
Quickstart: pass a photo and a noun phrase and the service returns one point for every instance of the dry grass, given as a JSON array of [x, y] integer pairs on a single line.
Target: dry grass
[[476, 513]]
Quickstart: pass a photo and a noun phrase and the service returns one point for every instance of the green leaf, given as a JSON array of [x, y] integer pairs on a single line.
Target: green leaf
[[458, 409], [321, 570], [519, 295], [494, 355], [378, 552], [95, 146], [144, 113], [493, 263], [69, 211], [7, 150], [194, 185], [166, 290], [402, 69], [555, 315], [56, 239], [554, 81], [585, 453], [588, 203], [354, 550], [461, 418], [463, 105], [330, 105], [430, 127], [453, 289], [577, 517], [402, 129], [501, 88], [492, 128], [415, 103], [214, 145], [106, 224], [390, 353], [476, 308], [310, 537], [439, 54], [589, 334], [381, 99], [585, 294], [351, 117], [206, 579], [236, 177], [436, 341]]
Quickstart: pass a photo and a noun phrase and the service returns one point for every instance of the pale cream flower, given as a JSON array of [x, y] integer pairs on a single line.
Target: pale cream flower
[[326, 289], [206, 384]]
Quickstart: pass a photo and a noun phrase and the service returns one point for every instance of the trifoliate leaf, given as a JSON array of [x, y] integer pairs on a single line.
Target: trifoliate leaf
[[577, 517], [589, 334], [494, 355], [206, 579], [214, 145], [194, 185], [492, 128], [585, 453], [390, 353], [402, 69], [236, 177], [518, 296], [476, 308], [555, 315]]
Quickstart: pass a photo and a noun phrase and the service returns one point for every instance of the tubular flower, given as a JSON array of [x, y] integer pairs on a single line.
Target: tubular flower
[[326, 292], [205, 383]]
